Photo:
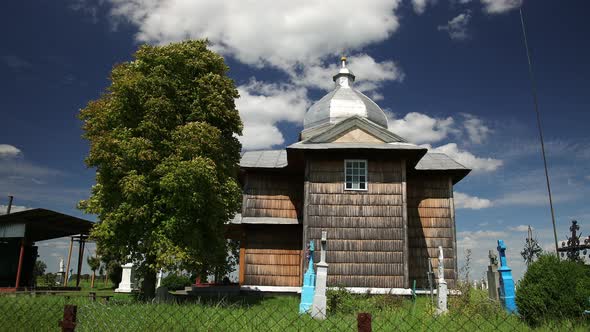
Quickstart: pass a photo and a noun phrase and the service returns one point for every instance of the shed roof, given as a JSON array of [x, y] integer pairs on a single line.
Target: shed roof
[[42, 224], [264, 159], [438, 161]]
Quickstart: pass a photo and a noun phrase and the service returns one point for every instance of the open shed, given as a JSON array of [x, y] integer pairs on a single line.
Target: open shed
[[18, 233]]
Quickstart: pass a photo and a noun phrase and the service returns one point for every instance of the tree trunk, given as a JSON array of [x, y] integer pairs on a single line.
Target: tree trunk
[[92, 280], [149, 284]]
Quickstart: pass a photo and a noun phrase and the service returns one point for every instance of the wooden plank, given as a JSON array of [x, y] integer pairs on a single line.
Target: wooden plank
[[405, 223], [338, 188], [355, 199], [341, 221], [261, 280], [454, 229], [274, 259], [272, 270], [366, 281], [416, 232], [273, 251], [354, 210], [333, 256], [367, 269], [366, 245], [242, 259], [354, 233]]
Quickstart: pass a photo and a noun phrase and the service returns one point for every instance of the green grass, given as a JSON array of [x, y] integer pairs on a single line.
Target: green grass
[[389, 313]]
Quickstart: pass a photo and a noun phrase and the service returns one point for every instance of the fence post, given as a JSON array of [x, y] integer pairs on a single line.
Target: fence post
[[363, 321], [68, 324]]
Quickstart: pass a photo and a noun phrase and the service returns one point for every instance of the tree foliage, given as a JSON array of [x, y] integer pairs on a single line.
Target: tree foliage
[[93, 262], [39, 268], [553, 289], [163, 142]]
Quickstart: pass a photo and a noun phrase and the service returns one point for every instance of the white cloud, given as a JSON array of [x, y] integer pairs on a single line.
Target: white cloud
[[280, 33], [263, 105], [500, 6], [533, 197], [476, 130], [370, 74], [22, 168], [421, 128], [420, 5], [466, 201], [9, 151], [466, 158], [13, 209], [457, 26], [520, 228]]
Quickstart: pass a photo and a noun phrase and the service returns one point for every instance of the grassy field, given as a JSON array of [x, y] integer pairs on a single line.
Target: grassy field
[[260, 314]]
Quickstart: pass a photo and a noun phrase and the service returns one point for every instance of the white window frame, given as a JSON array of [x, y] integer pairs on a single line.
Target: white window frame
[[365, 175]]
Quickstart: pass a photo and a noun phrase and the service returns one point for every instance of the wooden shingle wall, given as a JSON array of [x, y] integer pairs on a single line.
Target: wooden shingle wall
[[272, 255], [366, 234], [272, 196], [430, 224]]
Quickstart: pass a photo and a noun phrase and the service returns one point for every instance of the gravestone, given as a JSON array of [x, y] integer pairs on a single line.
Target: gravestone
[[441, 290], [61, 272], [493, 276], [163, 295], [159, 280], [318, 309], [507, 294], [308, 288], [126, 285]]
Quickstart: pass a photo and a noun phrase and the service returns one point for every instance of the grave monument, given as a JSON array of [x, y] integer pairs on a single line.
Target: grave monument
[[507, 294], [126, 285], [493, 276], [318, 309], [441, 290], [308, 288]]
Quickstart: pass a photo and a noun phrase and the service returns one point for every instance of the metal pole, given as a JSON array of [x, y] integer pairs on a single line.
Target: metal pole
[[20, 263], [534, 92], [10, 198], [81, 242], [67, 275]]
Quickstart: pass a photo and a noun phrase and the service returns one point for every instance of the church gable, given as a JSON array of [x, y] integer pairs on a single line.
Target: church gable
[[356, 135], [355, 130]]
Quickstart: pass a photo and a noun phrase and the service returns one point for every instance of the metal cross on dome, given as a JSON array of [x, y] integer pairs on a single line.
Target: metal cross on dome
[[573, 247]]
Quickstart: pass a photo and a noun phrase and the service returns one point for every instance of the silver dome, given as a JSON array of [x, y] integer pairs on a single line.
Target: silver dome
[[342, 103]]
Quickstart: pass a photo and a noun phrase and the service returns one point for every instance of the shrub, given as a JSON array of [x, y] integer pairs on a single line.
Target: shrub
[[176, 282], [553, 289]]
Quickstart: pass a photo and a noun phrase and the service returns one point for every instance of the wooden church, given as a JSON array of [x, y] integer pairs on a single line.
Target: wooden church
[[386, 204]]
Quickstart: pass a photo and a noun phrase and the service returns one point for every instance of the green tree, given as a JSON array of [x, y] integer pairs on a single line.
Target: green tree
[[94, 264], [552, 290], [163, 142], [39, 268]]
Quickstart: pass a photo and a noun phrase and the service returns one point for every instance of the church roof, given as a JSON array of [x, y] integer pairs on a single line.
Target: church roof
[[278, 158], [264, 159], [343, 102], [438, 161]]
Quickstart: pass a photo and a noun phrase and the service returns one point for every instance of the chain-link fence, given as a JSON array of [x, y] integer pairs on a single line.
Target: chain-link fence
[[254, 313]]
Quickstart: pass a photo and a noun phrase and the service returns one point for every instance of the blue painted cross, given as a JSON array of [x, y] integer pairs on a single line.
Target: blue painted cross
[[507, 293], [308, 289]]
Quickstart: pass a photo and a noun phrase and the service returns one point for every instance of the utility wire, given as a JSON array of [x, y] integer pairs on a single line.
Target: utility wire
[[534, 93]]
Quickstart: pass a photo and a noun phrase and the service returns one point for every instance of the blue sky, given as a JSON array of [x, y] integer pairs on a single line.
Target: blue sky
[[451, 74]]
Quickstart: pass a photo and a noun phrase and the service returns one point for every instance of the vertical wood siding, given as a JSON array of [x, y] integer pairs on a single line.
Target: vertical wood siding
[[272, 255], [365, 228], [272, 195], [431, 224]]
